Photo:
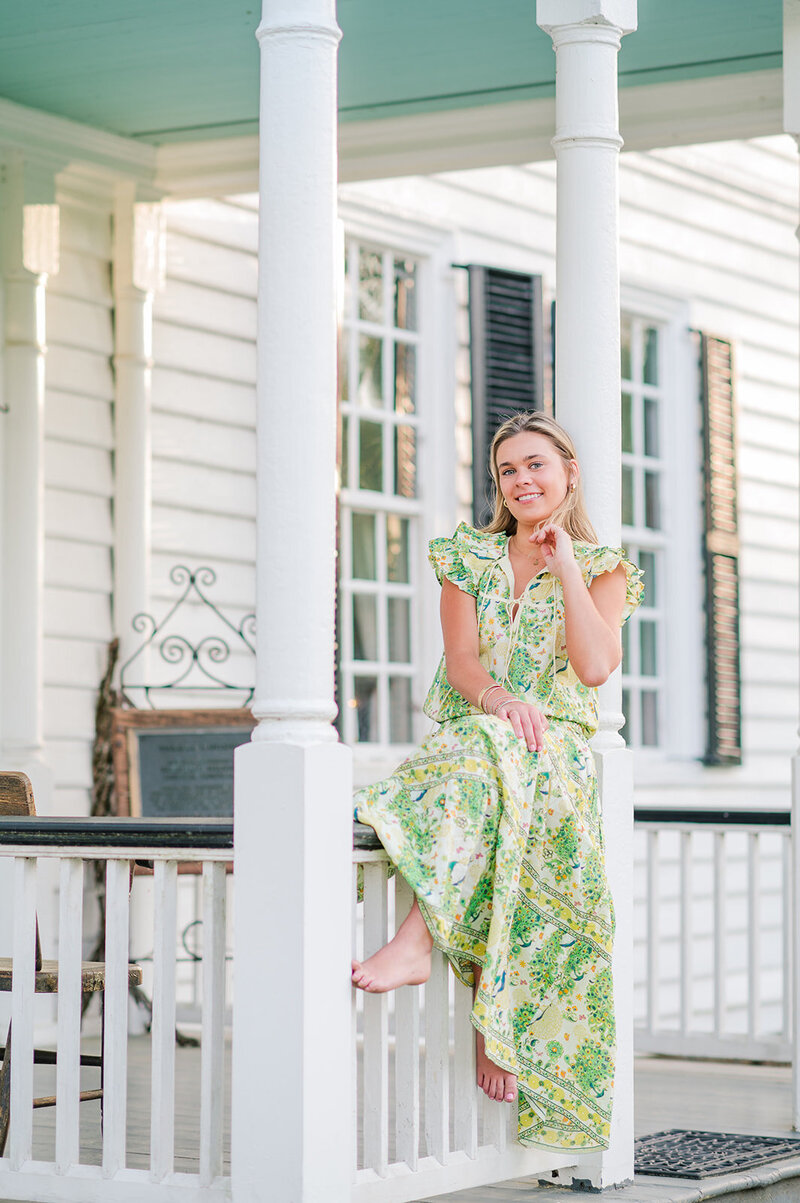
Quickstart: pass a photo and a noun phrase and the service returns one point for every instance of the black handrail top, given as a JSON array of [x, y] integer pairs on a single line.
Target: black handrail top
[[117, 832], [736, 816]]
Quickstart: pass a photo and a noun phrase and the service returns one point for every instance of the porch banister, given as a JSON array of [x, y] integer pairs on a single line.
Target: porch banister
[[291, 1116], [586, 37], [791, 124]]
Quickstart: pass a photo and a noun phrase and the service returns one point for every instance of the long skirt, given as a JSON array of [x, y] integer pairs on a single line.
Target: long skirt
[[504, 850]]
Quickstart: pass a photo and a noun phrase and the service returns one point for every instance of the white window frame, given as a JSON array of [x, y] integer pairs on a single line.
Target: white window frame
[[681, 651], [434, 508]]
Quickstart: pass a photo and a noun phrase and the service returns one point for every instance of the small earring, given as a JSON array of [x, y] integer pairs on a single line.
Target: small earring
[[505, 503], [572, 487]]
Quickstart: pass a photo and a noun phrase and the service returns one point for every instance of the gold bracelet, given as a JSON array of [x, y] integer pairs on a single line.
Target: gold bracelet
[[484, 694], [501, 701]]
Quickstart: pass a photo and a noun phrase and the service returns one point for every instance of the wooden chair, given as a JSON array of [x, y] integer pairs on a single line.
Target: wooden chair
[[16, 800]]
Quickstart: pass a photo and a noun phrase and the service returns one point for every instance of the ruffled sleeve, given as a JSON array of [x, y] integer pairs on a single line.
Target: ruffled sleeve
[[595, 561], [463, 559]]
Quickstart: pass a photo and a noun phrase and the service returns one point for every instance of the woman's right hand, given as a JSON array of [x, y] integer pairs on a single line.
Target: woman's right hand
[[526, 721]]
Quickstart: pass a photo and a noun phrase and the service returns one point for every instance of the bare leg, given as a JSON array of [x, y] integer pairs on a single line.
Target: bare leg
[[496, 1083], [404, 961]]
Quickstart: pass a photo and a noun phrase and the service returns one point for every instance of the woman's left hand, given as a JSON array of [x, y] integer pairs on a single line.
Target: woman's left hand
[[556, 546]]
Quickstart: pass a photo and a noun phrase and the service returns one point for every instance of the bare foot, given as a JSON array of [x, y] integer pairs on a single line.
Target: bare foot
[[404, 961], [496, 1083]]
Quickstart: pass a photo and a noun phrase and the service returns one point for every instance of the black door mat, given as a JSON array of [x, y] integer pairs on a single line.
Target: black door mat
[[679, 1153]]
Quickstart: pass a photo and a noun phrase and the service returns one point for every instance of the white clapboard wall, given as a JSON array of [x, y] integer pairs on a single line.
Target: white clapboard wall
[[78, 497]]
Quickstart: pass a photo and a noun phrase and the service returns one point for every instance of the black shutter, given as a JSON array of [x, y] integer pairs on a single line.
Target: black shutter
[[505, 328], [721, 554]]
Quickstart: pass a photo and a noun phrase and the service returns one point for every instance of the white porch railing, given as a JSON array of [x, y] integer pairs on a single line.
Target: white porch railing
[[713, 936], [71, 1173], [422, 1126]]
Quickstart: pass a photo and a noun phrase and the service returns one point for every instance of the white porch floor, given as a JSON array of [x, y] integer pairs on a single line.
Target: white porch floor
[[716, 1096]]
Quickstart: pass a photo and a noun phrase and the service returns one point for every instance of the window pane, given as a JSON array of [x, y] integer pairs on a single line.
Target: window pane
[[344, 462], [397, 548], [651, 356], [625, 347], [627, 422], [647, 649], [399, 630], [370, 287], [650, 427], [626, 641], [365, 627], [366, 705], [405, 461], [363, 530], [627, 497], [344, 380], [652, 501], [647, 562], [649, 701], [349, 272], [405, 294], [400, 710], [370, 467], [370, 372], [626, 709], [405, 378]]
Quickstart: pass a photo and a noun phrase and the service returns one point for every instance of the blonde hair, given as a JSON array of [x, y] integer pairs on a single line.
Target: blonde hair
[[570, 514]]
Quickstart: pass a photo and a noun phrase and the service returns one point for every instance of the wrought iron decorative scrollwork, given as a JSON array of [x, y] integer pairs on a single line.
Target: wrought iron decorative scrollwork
[[189, 665]]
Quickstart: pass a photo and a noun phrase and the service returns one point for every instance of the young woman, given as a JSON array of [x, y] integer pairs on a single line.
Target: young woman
[[494, 821]]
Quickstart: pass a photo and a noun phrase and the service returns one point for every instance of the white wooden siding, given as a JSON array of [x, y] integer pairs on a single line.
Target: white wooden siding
[[78, 498], [204, 403]]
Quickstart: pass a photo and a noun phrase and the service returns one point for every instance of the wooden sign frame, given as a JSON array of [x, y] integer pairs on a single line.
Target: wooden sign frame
[[128, 724]]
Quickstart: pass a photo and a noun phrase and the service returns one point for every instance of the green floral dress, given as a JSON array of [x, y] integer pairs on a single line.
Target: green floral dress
[[504, 847]]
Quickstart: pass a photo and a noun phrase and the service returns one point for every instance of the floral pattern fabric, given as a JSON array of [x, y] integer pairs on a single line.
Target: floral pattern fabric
[[504, 847]]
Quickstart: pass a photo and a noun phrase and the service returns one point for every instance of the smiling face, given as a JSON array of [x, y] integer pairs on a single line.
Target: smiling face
[[534, 479]]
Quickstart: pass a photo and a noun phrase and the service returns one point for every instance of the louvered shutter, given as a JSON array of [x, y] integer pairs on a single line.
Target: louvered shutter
[[505, 325], [721, 554]]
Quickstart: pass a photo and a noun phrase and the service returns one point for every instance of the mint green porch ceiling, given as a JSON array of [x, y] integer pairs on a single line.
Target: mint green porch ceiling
[[165, 70]]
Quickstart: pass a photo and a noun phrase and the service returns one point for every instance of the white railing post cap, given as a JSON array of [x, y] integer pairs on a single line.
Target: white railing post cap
[[619, 14]]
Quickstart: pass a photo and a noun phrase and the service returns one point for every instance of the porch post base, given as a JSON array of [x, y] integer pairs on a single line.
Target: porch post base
[[291, 1106]]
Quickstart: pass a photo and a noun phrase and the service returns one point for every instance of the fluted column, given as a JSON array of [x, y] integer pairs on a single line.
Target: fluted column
[[29, 257], [586, 37], [791, 124], [138, 272], [293, 798]]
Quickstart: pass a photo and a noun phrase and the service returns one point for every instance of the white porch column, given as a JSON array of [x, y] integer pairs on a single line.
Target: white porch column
[[791, 123], [29, 256], [138, 272], [586, 36], [293, 805]]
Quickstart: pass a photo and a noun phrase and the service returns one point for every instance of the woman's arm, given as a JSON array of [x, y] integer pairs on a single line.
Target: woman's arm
[[592, 617], [465, 672]]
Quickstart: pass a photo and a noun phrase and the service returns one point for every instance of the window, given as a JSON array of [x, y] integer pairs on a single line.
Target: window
[[380, 506], [643, 494]]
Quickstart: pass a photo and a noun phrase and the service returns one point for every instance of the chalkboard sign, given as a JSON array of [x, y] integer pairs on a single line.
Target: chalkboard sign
[[177, 763]]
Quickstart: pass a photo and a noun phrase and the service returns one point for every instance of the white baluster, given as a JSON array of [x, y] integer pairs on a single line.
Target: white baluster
[[495, 1123], [376, 1026], [687, 934], [437, 1059], [753, 933], [162, 1116], [70, 954], [406, 1056], [354, 1004], [786, 935], [115, 1026], [22, 996], [720, 958], [465, 1093], [652, 930], [213, 1030]]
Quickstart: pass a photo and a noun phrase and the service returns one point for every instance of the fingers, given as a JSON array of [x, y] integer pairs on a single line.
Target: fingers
[[526, 722]]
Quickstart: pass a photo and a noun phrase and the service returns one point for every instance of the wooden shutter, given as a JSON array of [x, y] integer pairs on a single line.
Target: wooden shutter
[[505, 327], [721, 554]]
